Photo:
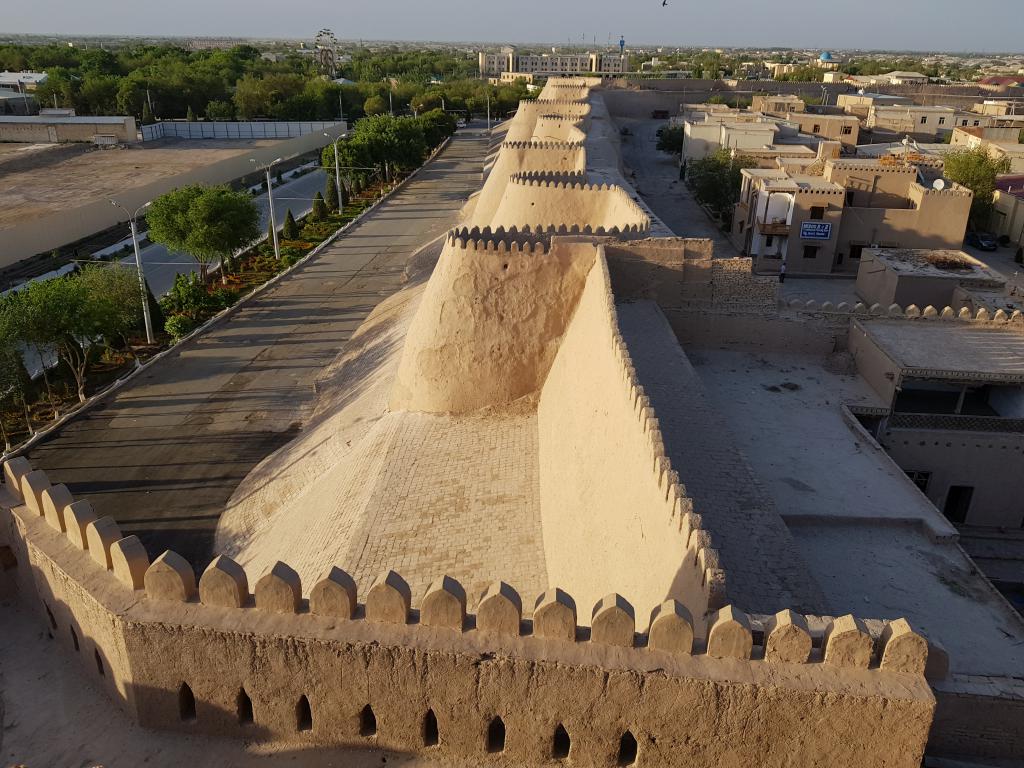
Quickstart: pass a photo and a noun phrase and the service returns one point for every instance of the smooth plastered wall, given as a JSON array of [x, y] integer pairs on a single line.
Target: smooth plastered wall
[[608, 524]]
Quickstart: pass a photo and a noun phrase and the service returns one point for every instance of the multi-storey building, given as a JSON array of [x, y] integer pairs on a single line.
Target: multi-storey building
[[821, 224], [551, 64]]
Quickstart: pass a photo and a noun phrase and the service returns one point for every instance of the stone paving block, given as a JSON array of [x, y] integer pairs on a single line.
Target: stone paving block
[[847, 643], [389, 599], [730, 636], [224, 584], [613, 621], [554, 616], [77, 517], [903, 650], [101, 534], [32, 486], [334, 595], [129, 561], [787, 638], [14, 470], [55, 499], [500, 610], [170, 577], [444, 605], [671, 628], [279, 590]]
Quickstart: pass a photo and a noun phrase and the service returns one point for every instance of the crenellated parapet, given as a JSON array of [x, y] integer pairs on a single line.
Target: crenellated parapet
[[499, 240], [561, 177], [982, 315], [530, 239], [556, 145], [546, 202], [168, 584]]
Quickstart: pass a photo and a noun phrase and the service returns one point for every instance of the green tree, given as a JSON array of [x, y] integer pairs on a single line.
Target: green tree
[[319, 212], [375, 105], [209, 223], [331, 194], [190, 115], [220, 110], [147, 114], [437, 126], [671, 139], [114, 302], [716, 179], [290, 231], [70, 323], [976, 170], [14, 379], [38, 328]]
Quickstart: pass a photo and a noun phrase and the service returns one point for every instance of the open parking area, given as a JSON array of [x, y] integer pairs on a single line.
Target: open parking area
[[41, 179]]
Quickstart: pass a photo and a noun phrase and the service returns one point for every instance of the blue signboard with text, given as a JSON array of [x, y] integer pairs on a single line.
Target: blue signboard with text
[[815, 230]]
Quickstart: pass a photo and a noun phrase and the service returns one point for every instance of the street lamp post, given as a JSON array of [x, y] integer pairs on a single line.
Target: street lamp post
[[138, 266], [337, 163], [270, 198]]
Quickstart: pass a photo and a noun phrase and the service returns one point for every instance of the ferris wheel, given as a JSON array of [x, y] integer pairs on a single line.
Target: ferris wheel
[[326, 52]]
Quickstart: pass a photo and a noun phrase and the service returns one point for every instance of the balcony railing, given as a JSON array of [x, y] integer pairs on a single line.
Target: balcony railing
[[954, 422], [773, 228]]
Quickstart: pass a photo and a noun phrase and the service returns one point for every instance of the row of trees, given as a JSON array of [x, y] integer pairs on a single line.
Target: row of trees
[[169, 82], [80, 317], [389, 143]]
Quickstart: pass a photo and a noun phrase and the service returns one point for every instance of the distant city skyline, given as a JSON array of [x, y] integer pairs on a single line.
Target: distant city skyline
[[910, 25]]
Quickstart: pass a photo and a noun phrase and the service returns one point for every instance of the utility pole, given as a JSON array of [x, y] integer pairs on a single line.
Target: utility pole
[[138, 267], [270, 198]]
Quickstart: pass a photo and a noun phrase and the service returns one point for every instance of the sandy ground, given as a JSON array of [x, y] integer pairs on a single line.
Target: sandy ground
[[36, 182], [45, 691]]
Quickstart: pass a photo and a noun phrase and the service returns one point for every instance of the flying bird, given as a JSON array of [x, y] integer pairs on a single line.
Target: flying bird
[[664, 3]]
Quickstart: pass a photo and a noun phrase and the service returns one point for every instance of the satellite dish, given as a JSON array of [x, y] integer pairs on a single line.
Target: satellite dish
[[939, 184]]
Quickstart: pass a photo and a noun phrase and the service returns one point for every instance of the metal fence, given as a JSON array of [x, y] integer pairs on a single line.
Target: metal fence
[[176, 129], [953, 422]]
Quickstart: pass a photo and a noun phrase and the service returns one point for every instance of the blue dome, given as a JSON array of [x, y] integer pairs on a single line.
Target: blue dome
[[825, 56]]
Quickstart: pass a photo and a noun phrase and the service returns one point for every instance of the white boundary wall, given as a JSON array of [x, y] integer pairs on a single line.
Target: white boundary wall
[[233, 130]]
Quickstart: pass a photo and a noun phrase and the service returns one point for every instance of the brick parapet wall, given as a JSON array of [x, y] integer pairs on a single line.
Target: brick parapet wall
[[269, 669]]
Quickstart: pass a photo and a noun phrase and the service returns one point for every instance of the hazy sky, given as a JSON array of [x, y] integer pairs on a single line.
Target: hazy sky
[[954, 25]]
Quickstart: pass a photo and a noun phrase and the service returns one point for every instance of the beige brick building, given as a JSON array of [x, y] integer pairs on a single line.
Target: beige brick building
[[821, 224]]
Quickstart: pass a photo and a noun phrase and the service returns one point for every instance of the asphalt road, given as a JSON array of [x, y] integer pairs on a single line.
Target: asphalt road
[[161, 266], [164, 454]]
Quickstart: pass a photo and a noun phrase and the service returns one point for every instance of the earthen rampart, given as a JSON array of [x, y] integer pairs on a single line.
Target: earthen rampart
[[543, 203], [489, 322], [271, 662], [608, 493]]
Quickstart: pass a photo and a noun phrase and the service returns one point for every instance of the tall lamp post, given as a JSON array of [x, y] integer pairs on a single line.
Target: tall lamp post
[[138, 266], [337, 164], [270, 197]]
